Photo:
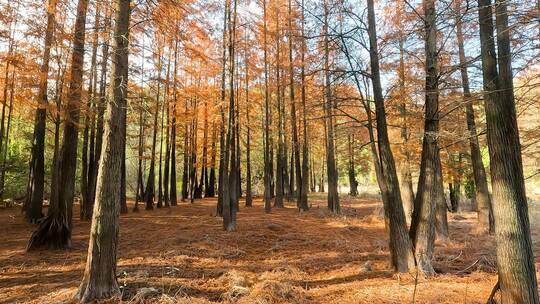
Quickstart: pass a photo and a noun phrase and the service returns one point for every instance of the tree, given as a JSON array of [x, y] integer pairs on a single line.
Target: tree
[[483, 200], [515, 259], [400, 244], [268, 142], [99, 280], [36, 183], [430, 189], [55, 230], [333, 196]]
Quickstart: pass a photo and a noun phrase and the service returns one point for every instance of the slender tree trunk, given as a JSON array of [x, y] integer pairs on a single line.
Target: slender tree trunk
[[295, 141], [173, 197], [267, 135], [406, 186], [515, 258], [400, 244], [150, 181], [55, 167], [100, 105], [303, 193], [249, 195], [36, 183], [483, 200], [139, 193], [161, 199], [99, 280], [333, 196], [353, 184], [430, 183], [211, 190], [55, 230], [87, 158], [167, 143], [280, 184], [230, 197]]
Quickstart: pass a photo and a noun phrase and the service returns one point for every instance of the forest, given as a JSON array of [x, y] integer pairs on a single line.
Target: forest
[[270, 151]]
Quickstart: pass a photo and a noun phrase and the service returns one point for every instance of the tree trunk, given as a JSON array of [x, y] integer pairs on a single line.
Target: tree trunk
[[36, 183], [280, 184], [99, 280], [267, 112], [303, 193], [295, 141], [353, 184], [406, 186], [483, 201], [249, 195], [230, 197], [515, 258], [400, 244], [55, 230], [150, 181], [100, 105], [87, 158], [333, 197], [430, 183], [172, 191]]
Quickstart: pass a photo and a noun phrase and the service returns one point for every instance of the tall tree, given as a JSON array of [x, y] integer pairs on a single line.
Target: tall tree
[[99, 280], [515, 258], [406, 186], [332, 173], [400, 244], [430, 181], [295, 142], [150, 181], [173, 198], [36, 183], [268, 168], [303, 193], [483, 200], [55, 230]]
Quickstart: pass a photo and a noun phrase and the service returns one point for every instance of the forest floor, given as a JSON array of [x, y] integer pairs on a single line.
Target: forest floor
[[182, 255]]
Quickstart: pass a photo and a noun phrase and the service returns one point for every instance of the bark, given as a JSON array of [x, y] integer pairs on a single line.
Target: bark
[[55, 230], [161, 200], [55, 167], [280, 183], [230, 197], [430, 183], [353, 184], [167, 145], [211, 190], [400, 243], [99, 280], [249, 195], [100, 105], [295, 141], [139, 192], [36, 182], [515, 259], [150, 181], [333, 197], [406, 186], [483, 200], [87, 158], [172, 191], [268, 168], [303, 193]]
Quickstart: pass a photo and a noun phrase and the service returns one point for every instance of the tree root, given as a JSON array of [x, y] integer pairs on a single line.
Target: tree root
[[491, 299], [52, 233]]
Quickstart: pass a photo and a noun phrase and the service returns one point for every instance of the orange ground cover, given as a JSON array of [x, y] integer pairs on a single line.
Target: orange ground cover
[[282, 257]]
